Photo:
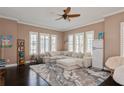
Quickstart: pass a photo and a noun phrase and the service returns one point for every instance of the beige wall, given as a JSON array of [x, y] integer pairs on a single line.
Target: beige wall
[[0, 48], [112, 35], [21, 31], [111, 27], [8, 27], [97, 27]]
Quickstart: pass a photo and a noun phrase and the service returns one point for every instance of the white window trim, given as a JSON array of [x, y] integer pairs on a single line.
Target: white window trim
[[55, 42], [30, 33], [39, 42], [122, 40], [86, 45], [69, 42], [82, 51], [45, 34]]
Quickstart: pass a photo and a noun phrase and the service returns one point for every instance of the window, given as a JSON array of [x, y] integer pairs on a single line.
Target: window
[[53, 42], [89, 41], [33, 43], [70, 43], [47, 43], [44, 43], [79, 42], [122, 40]]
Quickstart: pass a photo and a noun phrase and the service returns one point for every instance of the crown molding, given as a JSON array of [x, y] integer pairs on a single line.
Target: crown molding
[[40, 26], [26, 23], [91, 23], [9, 18], [114, 13], [62, 30], [48, 27]]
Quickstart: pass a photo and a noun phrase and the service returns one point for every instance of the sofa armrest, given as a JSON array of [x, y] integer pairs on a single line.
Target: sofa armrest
[[87, 61]]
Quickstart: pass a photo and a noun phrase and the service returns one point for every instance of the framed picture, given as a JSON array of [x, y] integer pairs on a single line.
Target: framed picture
[[101, 35], [5, 41]]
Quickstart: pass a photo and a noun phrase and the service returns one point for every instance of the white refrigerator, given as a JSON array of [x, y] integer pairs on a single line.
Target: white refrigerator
[[97, 61]]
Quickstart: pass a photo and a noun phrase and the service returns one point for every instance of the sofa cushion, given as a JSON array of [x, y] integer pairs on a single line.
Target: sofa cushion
[[75, 55], [70, 62], [80, 55], [87, 55], [87, 62], [57, 57], [65, 53], [48, 54], [69, 54], [53, 53]]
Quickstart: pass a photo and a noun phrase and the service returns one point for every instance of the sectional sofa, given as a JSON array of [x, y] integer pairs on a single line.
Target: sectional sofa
[[68, 60]]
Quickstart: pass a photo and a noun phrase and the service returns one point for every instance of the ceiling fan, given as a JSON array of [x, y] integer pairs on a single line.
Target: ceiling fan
[[66, 15]]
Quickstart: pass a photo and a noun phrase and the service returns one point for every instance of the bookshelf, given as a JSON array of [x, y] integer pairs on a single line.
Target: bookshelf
[[20, 51]]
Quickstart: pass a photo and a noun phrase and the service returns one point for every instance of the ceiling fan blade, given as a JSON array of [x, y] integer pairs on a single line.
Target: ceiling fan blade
[[67, 10], [59, 14], [74, 15], [59, 18]]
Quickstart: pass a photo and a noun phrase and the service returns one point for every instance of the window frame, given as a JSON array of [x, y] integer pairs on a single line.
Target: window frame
[[53, 44], [71, 42], [30, 43], [79, 46], [86, 41], [45, 35]]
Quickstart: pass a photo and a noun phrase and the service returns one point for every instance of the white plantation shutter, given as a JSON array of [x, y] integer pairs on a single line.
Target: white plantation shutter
[[47, 42], [79, 42], [41, 43], [70, 43], [89, 41], [33, 43], [122, 40], [53, 42], [44, 43]]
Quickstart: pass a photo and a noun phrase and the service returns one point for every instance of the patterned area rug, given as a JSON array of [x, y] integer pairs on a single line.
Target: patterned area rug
[[57, 76]]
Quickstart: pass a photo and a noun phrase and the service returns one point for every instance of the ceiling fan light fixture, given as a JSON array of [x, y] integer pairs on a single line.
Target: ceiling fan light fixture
[[66, 14]]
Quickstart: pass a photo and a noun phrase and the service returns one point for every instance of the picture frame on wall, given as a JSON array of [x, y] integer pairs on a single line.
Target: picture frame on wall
[[101, 35], [6, 41]]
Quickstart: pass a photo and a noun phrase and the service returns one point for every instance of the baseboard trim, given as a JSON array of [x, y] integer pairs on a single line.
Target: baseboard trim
[[11, 65]]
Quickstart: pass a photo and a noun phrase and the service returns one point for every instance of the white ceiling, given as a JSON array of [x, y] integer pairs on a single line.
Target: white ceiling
[[45, 16]]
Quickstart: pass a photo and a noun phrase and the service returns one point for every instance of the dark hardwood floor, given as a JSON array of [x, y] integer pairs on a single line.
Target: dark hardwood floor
[[109, 82], [24, 76]]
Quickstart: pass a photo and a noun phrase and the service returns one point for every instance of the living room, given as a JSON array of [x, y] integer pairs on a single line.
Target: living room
[[66, 45]]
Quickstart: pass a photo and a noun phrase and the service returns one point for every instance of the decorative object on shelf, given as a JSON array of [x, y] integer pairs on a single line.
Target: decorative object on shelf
[[6, 41], [20, 51], [2, 62], [101, 35]]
